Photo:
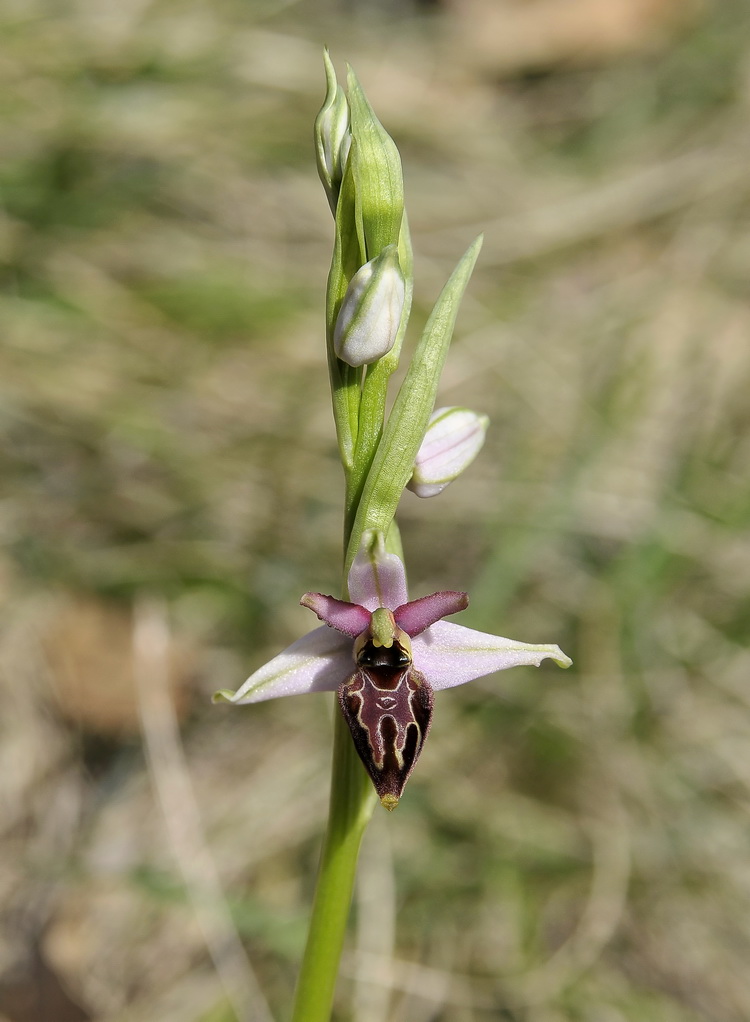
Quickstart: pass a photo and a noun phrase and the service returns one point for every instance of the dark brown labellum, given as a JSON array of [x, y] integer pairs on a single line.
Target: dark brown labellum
[[387, 704]]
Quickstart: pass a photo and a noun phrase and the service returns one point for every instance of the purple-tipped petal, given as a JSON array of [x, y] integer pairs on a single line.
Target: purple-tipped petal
[[414, 617], [376, 578], [318, 662], [449, 654], [349, 618]]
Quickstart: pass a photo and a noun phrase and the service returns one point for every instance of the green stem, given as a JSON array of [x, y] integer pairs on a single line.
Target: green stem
[[352, 802], [369, 215]]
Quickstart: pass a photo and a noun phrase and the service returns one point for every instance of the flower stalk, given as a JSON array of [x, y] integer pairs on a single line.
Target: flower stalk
[[351, 804]]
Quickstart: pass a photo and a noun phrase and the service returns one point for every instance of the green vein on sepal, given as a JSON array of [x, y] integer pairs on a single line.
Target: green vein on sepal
[[376, 166]]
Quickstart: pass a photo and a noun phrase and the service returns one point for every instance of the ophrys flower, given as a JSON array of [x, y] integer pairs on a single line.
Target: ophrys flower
[[386, 656]]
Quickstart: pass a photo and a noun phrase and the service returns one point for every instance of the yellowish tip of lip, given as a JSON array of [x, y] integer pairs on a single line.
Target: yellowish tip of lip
[[389, 802]]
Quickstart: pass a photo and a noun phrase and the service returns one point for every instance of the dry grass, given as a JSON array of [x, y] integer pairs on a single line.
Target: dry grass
[[573, 846]]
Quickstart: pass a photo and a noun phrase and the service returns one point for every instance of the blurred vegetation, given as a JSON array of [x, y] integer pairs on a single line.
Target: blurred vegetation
[[573, 846]]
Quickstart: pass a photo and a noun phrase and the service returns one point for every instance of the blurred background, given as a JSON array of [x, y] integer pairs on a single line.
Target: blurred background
[[573, 846]]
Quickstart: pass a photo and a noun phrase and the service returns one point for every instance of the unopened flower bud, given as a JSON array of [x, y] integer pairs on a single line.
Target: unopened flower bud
[[370, 313], [453, 439], [332, 136]]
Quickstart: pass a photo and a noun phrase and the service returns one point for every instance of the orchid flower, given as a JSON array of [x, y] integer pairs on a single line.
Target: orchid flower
[[386, 656]]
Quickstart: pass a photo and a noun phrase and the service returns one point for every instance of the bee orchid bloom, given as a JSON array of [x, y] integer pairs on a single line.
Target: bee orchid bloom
[[386, 656]]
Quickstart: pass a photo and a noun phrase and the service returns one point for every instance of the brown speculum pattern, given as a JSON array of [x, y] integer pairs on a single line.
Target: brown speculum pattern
[[387, 704]]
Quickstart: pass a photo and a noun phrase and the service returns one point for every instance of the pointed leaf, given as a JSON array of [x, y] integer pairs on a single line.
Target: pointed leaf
[[394, 460]]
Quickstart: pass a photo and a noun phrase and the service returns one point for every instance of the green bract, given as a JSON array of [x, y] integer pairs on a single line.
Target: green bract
[[376, 168], [402, 437]]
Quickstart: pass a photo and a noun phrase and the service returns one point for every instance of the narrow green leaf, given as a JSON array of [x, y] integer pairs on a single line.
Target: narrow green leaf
[[407, 423], [374, 391]]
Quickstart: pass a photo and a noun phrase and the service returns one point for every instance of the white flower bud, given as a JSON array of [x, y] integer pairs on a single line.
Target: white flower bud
[[453, 439], [332, 136], [370, 313], [332, 140]]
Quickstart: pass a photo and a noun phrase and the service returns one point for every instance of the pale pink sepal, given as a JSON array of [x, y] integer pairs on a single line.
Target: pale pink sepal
[[414, 617], [318, 662], [376, 578], [451, 655], [349, 618]]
